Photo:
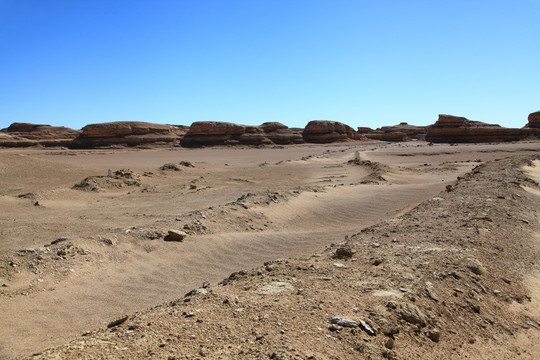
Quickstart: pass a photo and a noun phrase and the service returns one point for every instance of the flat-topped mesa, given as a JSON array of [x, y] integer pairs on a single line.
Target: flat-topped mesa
[[454, 129], [534, 120], [327, 131], [128, 133], [211, 133], [26, 134]]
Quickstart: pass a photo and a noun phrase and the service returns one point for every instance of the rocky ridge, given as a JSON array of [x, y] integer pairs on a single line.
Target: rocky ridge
[[448, 128]]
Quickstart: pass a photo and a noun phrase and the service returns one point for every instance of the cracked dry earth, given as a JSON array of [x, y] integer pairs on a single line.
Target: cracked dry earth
[[383, 255]]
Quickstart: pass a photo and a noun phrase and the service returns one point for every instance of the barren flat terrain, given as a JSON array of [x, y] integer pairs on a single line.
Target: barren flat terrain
[[79, 249]]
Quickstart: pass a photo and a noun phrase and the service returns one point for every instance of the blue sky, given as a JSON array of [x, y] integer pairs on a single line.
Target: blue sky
[[364, 63]]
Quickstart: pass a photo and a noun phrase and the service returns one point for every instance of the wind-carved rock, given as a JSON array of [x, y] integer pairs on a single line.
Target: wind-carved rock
[[210, 133], [127, 133], [25, 134], [326, 131], [454, 129]]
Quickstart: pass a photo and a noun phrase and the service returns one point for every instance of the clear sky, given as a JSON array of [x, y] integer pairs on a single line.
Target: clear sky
[[364, 63]]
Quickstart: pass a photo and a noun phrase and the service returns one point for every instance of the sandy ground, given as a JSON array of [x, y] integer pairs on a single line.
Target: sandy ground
[[73, 259]]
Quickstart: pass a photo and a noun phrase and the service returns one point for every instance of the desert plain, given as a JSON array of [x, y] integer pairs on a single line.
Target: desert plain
[[360, 249]]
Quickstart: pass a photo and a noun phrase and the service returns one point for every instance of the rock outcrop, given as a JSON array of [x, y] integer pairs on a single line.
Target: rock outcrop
[[454, 129], [281, 134], [401, 132], [210, 133], [25, 134], [128, 133], [326, 131], [534, 120]]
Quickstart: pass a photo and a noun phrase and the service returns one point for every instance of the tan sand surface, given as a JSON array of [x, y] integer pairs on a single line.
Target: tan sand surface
[[240, 208]]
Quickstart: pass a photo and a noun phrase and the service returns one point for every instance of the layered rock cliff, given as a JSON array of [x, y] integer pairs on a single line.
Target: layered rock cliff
[[534, 120], [326, 131], [401, 132], [127, 133], [454, 129], [26, 134], [209, 133]]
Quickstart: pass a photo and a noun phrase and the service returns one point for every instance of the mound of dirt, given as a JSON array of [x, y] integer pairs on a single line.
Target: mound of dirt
[[118, 179]]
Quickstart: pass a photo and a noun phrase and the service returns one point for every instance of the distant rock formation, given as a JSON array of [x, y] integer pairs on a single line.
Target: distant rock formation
[[281, 134], [210, 133], [25, 134], [326, 131], [401, 132], [454, 129], [128, 133], [534, 120]]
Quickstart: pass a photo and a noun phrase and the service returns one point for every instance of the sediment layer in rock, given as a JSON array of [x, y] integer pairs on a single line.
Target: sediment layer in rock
[[26, 134], [454, 129], [127, 133], [326, 131], [210, 133]]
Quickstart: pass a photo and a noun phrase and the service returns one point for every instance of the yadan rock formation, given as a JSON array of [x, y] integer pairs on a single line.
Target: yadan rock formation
[[326, 131], [534, 120], [210, 133], [128, 133], [25, 134], [401, 132], [454, 129]]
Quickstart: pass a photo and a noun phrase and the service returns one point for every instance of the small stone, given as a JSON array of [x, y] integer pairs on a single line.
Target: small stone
[[431, 294], [344, 252], [175, 235], [475, 266], [412, 314], [495, 337], [333, 327], [389, 343], [60, 239], [375, 245], [341, 321], [110, 241], [390, 329], [117, 322], [434, 335], [391, 304], [377, 262], [368, 329], [339, 265]]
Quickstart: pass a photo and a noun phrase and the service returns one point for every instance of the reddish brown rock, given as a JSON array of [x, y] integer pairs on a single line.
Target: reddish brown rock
[[401, 132], [534, 120], [453, 129], [364, 130], [25, 134], [410, 131], [210, 133], [127, 133], [281, 134], [326, 131]]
